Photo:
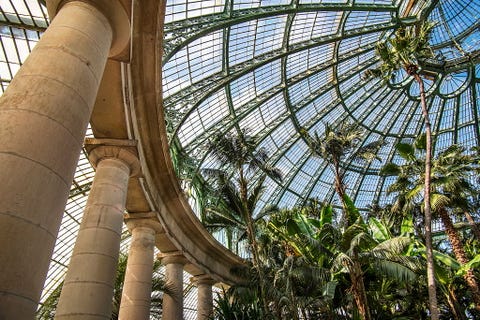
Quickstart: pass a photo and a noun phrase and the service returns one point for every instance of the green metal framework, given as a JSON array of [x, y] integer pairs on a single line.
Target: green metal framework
[[276, 66]]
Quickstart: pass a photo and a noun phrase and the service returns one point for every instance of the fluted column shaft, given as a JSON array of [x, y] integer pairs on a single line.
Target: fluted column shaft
[[88, 287], [204, 297], [44, 114], [173, 300], [137, 287]]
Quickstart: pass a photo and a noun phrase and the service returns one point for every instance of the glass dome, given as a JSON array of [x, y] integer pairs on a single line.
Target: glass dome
[[273, 67]]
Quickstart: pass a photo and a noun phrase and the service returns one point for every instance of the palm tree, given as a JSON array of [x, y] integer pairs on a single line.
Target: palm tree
[[349, 255], [406, 49], [450, 188], [239, 194], [336, 146]]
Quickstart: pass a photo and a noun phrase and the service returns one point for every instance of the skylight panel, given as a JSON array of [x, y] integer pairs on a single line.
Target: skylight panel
[[302, 27], [269, 35], [253, 122], [242, 90], [313, 25], [213, 109], [358, 42], [448, 114], [321, 189], [321, 79], [205, 56], [442, 142], [391, 107], [366, 192], [465, 114], [272, 109], [245, 4], [242, 42], [373, 1], [191, 128], [453, 82], [176, 73], [305, 114], [349, 82], [267, 76], [286, 166], [387, 198], [332, 116], [183, 9], [269, 144], [326, 23], [355, 62], [466, 136], [412, 127], [296, 152], [312, 165], [296, 63], [283, 132], [320, 54], [288, 200], [322, 1], [360, 19], [266, 3], [299, 91], [299, 182], [28, 12]]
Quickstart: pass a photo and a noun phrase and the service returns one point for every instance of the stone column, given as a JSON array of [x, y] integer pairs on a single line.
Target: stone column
[[173, 301], [204, 296], [137, 287], [88, 287], [44, 114]]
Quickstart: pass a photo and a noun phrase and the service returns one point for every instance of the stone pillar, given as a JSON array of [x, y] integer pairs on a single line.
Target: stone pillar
[[137, 287], [204, 296], [173, 300], [44, 114], [88, 287]]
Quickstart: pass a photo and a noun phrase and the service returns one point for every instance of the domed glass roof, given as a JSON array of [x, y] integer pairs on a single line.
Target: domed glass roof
[[273, 67]]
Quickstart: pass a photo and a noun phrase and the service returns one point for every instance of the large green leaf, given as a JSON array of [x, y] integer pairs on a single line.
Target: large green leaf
[[407, 226], [378, 229], [329, 289], [352, 212], [326, 214], [472, 264], [421, 142], [406, 151], [390, 169]]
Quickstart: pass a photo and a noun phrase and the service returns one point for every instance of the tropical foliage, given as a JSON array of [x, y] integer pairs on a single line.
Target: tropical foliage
[[405, 50], [315, 267]]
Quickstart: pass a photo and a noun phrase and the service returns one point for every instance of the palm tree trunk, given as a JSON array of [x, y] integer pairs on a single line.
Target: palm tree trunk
[[432, 289], [473, 225], [460, 255], [340, 189], [358, 288], [456, 308], [251, 237]]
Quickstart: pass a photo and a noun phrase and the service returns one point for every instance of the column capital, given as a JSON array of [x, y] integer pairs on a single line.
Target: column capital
[[203, 279], [124, 150], [175, 257], [115, 11], [143, 220]]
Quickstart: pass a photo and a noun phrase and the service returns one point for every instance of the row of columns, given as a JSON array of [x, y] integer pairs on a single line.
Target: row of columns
[[44, 115], [89, 283]]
